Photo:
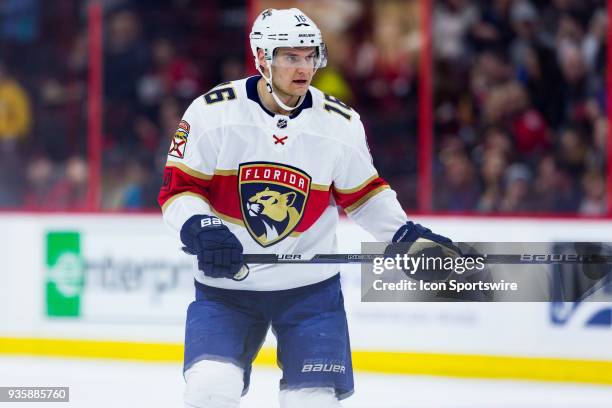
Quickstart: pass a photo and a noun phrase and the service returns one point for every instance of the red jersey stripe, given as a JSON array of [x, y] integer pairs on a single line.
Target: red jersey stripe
[[221, 193], [352, 199], [177, 181]]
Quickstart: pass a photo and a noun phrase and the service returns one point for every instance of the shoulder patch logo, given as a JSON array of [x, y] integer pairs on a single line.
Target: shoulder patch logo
[[179, 141], [272, 199], [184, 125]]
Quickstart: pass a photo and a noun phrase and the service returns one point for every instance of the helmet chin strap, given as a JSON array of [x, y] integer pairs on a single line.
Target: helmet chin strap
[[270, 89]]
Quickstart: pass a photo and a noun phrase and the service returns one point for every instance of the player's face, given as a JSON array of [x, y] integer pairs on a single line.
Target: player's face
[[293, 69]]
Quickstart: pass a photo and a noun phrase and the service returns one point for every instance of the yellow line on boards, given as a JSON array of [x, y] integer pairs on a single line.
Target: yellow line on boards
[[119, 350], [486, 366], [387, 362]]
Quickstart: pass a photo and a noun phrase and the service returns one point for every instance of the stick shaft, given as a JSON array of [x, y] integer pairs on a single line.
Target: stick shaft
[[506, 259]]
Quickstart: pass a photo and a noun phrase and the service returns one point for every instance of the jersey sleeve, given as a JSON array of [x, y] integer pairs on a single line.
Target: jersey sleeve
[[362, 193], [189, 169]]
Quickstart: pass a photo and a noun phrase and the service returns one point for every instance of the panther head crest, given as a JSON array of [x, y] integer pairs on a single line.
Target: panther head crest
[[275, 210]]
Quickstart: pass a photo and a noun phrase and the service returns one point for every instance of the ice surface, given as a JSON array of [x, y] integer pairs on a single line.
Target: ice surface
[[104, 384]]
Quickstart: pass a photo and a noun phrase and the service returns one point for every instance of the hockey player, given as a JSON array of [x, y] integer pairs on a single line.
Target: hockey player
[[259, 165]]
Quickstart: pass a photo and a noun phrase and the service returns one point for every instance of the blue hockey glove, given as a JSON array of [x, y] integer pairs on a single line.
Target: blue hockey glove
[[411, 232], [218, 250], [416, 241]]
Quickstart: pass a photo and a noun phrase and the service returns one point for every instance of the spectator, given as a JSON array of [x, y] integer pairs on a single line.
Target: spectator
[[70, 192], [385, 66], [597, 155], [492, 171], [15, 115], [517, 190], [524, 18], [126, 57], [171, 74], [554, 189], [125, 62], [547, 186], [595, 41], [459, 177], [572, 152], [574, 85], [452, 20], [40, 178], [493, 29], [594, 201], [132, 196], [531, 132]]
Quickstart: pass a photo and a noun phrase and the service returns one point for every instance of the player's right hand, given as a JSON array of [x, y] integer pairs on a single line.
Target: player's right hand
[[219, 252]]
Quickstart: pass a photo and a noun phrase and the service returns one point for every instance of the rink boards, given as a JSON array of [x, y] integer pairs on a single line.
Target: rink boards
[[116, 286]]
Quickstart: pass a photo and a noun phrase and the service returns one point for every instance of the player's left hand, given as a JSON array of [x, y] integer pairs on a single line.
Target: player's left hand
[[417, 240]]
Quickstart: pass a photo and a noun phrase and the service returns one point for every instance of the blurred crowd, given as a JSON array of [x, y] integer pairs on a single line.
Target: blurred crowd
[[158, 56], [519, 93], [520, 115]]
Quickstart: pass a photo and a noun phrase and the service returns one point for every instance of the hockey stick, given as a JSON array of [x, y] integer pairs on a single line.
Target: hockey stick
[[499, 259]]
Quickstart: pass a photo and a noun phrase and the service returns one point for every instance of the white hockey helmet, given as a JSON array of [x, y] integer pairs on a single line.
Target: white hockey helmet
[[286, 28]]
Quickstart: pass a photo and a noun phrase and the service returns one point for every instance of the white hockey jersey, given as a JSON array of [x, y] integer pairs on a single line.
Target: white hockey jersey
[[275, 180]]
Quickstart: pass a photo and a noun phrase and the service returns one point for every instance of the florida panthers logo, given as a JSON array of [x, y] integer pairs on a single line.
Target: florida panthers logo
[[272, 199]]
